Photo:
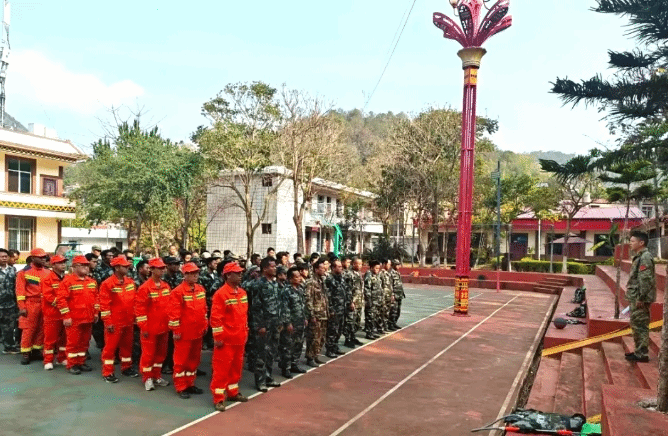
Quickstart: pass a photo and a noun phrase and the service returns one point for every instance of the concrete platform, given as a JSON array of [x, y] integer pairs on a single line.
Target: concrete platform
[[623, 417], [443, 375]]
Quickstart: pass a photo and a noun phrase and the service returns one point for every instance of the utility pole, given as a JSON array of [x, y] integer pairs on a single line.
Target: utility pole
[[4, 56], [497, 176]]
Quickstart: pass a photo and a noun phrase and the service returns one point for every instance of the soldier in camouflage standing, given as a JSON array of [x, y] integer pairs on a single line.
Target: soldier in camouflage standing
[[293, 320], [388, 295], [247, 282], [640, 293], [9, 311], [297, 305], [101, 273], [353, 315], [266, 326], [337, 298], [399, 295], [317, 312], [373, 296]]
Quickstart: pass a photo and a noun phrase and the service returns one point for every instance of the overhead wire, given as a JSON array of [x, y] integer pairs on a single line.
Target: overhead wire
[[387, 64]]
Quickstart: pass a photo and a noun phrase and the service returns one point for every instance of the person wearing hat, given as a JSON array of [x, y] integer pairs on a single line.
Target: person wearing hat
[[117, 298], [96, 250], [29, 299], [188, 323], [173, 276], [208, 278], [54, 331], [229, 323], [100, 273], [76, 302], [152, 312], [399, 294]]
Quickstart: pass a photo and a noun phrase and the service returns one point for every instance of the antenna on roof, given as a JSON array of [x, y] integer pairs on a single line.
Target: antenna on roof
[[4, 56]]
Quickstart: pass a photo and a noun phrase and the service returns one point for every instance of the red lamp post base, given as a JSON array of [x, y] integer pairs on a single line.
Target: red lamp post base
[[461, 296]]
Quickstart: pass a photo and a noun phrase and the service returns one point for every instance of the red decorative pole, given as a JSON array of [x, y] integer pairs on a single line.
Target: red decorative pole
[[470, 35]]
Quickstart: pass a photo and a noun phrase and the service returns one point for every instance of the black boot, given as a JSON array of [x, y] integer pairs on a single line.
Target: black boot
[[297, 369], [286, 373]]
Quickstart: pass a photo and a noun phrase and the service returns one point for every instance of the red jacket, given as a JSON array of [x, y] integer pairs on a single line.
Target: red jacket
[[229, 315], [117, 300], [77, 298], [187, 311], [152, 307], [50, 286], [29, 284]]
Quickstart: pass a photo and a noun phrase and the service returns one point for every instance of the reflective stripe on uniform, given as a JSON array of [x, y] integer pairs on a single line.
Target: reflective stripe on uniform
[[234, 386], [174, 323], [108, 362], [219, 391], [165, 293], [187, 298], [153, 294], [142, 318], [81, 354], [105, 313], [64, 310], [180, 374], [61, 348], [37, 347], [70, 355], [157, 365], [116, 290], [48, 351], [231, 301], [126, 359], [147, 369], [20, 298], [26, 350], [217, 330], [200, 295]]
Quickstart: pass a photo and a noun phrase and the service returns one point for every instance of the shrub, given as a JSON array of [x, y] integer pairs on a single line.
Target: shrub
[[531, 265]]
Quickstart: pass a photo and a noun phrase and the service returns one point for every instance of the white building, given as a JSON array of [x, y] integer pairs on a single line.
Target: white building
[[227, 221], [106, 236], [32, 201]]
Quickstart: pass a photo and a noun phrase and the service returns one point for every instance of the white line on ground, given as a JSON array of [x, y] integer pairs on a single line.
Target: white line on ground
[[414, 373], [527, 361], [190, 424]]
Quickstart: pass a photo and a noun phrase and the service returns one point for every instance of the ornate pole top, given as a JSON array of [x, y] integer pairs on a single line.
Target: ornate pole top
[[473, 31]]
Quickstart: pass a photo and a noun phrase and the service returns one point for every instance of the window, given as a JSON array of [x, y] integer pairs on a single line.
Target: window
[[266, 229], [267, 180], [49, 186], [19, 233], [648, 211], [19, 175]]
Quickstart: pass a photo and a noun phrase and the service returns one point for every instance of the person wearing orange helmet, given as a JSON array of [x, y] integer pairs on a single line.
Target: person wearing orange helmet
[[54, 331], [187, 320], [117, 298], [151, 310], [29, 299], [229, 324], [77, 303]]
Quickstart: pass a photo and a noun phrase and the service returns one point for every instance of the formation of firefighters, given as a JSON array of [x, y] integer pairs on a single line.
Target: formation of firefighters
[[162, 312]]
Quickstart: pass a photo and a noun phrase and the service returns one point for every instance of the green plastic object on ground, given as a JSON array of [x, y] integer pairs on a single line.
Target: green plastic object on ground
[[590, 429]]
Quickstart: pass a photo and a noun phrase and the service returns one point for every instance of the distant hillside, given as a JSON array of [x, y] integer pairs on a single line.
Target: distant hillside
[[12, 124], [556, 156]]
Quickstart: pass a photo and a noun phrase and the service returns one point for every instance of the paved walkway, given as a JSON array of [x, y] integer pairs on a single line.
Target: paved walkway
[[35, 402], [444, 375]]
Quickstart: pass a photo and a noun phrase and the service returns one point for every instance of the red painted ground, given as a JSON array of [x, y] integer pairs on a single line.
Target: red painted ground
[[444, 376]]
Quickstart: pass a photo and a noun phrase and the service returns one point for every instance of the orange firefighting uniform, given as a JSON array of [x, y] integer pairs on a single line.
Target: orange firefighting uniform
[[117, 301], [151, 310], [77, 300], [229, 323], [29, 297], [54, 331], [187, 317]]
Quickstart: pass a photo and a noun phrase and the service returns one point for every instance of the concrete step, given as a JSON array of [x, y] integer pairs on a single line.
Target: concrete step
[[543, 289], [594, 378], [555, 281], [619, 370], [655, 341], [545, 385], [568, 397], [570, 333], [648, 372]]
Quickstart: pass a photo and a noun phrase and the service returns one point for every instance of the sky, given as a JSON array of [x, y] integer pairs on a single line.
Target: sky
[[72, 61]]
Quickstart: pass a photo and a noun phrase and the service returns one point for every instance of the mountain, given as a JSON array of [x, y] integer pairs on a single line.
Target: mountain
[[12, 123], [556, 156]]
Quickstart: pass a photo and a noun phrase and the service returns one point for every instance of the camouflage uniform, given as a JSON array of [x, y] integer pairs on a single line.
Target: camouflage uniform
[[399, 294], [291, 345], [353, 318], [9, 311], [386, 283], [316, 308], [641, 287], [247, 285], [337, 294], [173, 280], [268, 314], [373, 297], [208, 280], [101, 273]]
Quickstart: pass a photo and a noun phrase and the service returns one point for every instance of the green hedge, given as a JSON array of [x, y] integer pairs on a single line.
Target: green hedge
[[531, 265]]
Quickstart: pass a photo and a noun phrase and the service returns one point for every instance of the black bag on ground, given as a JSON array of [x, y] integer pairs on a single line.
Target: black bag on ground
[[580, 295], [530, 419], [579, 312]]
